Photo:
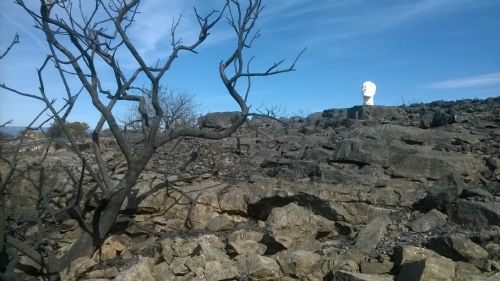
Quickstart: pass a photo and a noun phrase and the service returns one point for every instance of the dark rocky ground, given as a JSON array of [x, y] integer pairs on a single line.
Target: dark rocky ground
[[366, 193]]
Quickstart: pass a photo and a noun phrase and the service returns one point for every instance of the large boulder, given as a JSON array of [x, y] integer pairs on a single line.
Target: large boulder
[[443, 192], [419, 264], [179, 265], [257, 267], [234, 199], [207, 205], [475, 214], [115, 246], [335, 113], [494, 277], [428, 221], [220, 223], [77, 268], [298, 263], [464, 270], [457, 247], [347, 261], [372, 233], [220, 270], [375, 113], [177, 247], [218, 120], [357, 212], [292, 226], [436, 118], [211, 247], [371, 113], [427, 269], [246, 242]]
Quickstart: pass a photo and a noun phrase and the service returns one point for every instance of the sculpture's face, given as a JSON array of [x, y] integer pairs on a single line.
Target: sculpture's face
[[369, 89]]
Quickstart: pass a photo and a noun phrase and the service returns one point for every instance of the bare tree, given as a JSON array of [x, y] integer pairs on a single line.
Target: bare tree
[[80, 40], [180, 109], [7, 261]]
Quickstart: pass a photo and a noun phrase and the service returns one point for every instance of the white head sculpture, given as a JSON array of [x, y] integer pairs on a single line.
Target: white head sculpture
[[369, 89]]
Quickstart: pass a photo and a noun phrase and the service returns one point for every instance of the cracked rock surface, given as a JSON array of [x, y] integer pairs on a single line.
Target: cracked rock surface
[[365, 193]]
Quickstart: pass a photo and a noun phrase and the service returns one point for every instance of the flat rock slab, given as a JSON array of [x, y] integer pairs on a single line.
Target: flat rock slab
[[220, 270], [258, 267], [457, 247], [427, 269], [474, 213], [298, 263], [419, 264], [369, 236], [428, 221], [143, 270], [444, 192], [351, 276], [407, 151]]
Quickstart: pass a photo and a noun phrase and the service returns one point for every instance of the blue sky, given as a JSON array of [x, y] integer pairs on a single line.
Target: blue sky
[[414, 50]]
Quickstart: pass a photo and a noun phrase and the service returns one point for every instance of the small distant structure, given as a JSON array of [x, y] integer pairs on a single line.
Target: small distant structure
[[368, 91]]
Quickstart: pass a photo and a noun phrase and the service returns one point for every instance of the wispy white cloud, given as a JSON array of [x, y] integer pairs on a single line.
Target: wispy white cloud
[[151, 31], [13, 19], [297, 8], [383, 18], [483, 80], [153, 24], [348, 20]]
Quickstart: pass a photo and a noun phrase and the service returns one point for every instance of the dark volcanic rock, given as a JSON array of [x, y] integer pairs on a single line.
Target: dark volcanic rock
[[458, 248], [335, 113], [422, 264], [372, 233], [444, 192], [436, 118], [372, 113], [475, 214], [476, 193], [316, 198], [408, 152], [218, 120], [375, 113], [428, 221]]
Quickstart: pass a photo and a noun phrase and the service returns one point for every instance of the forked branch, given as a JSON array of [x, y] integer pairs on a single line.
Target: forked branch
[[14, 41]]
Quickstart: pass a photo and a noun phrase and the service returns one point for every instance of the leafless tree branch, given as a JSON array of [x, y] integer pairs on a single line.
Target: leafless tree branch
[[84, 44], [14, 41]]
